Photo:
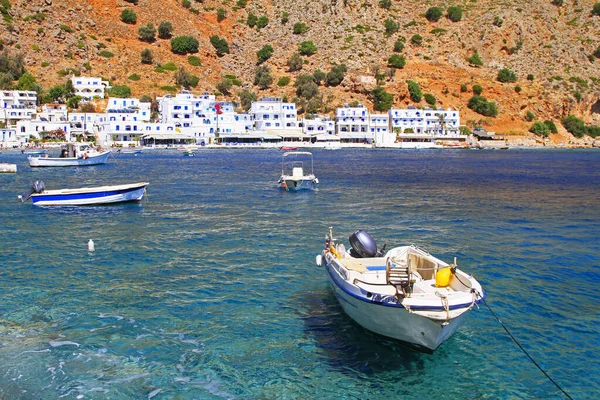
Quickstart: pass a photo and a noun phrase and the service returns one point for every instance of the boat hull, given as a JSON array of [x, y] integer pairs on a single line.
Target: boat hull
[[295, 185], [69, 161], [90, 196], [391, 320]]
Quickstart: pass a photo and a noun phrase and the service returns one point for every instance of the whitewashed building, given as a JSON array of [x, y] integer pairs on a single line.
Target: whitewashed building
[[318, 126], [89, 87], [17, 105], [35, 128], [8, 138], [202, 116], [272, 114], [352, 124], [53, 112], [379, 126]]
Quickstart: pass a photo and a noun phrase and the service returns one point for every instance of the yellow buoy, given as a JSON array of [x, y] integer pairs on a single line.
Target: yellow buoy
[[443, 276]]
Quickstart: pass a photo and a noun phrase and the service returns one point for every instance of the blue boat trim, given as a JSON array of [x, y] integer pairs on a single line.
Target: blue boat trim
[[77, 196], [376, 268], [417, 308]]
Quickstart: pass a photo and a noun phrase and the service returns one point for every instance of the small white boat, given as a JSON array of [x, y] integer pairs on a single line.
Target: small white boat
[[294, 177], [85, 196], [405, 293], [74, 155], [34, 151], [129, 151]]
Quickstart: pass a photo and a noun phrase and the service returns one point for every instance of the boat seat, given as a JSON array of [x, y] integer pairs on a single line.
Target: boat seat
[[297, 172], [353, 264]]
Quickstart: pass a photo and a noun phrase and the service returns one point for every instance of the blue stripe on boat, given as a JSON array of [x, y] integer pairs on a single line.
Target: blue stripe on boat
[[77, 196], [376, 268]]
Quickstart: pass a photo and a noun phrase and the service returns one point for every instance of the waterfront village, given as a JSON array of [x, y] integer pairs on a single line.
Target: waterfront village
[[188, 120]]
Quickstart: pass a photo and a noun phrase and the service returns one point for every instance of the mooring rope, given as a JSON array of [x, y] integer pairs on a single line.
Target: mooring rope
[[522, 349]]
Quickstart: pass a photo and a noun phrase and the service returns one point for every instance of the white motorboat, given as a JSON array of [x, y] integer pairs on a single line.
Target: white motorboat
[[74, 155], [405, 293], [294, 176], [85, 196]]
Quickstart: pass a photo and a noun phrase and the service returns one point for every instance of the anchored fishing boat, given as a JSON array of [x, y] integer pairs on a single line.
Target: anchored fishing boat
[[294, 177], [74, 155], [405, 293], [84, 196]]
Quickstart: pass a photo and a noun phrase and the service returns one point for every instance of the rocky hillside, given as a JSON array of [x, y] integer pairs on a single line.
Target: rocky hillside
[[552, 42]]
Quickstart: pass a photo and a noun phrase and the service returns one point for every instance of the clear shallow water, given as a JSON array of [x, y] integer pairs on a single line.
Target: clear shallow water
[[208, 288]]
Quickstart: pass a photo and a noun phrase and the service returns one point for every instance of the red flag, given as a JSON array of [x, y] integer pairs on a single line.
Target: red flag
[[218, 108]]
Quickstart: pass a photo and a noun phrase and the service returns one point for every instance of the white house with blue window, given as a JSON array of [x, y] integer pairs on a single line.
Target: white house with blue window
[[17, 105], [318, 125], [38, 129], [8, 138], [379, 126], [352, 124], [129, 106], [273, 114], [89, 87]]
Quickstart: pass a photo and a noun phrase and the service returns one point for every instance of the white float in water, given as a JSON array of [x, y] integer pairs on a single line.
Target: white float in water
[[91, 245]]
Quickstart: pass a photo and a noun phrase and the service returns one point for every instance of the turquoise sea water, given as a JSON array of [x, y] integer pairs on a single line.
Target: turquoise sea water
[[208, 289]]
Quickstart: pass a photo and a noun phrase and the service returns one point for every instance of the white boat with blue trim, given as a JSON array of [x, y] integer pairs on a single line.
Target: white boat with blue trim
[[74, 155], [294, 176], [405, 293], [85, 196]]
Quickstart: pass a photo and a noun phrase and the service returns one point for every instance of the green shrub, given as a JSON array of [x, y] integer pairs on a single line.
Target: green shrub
[[540, 129], [134, 77], [578, 96], [454, 13], [306, 88], [251, 20], [146, 33], [165, 29], [265, 53], [475, 60], [246, 98], [506, 75], [241, 3], [391, 26], [416, 39], [106, 54], [414, 91], [336, 75], [396, 61], [195, 61], [574, 125], [382, 100], [184, 45], [463, 88], [530, 77], [221, 14], [122, 91], [529, 116], [593, 131], [170, 66], [128, 16], [398, 46], [262, 22], [295, 62], [430, 99], [596, 9], [186, 3], [551, 126], [482, 106], [45, 64], [319, 76], [300, 28], [307, 48], [386, 4], [65, 28], [477, 90], [262, 77], [283, 81], [147, 57], [224, 86], [498, 21], [185, 79], [285, 17], [220, 45], [434, 14], [518, 89]]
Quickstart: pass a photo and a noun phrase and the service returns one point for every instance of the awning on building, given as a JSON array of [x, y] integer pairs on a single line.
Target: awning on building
[[169, 136]]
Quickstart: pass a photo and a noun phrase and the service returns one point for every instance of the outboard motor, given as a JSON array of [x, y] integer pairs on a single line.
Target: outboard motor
[[37, 187], [363, 245]]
